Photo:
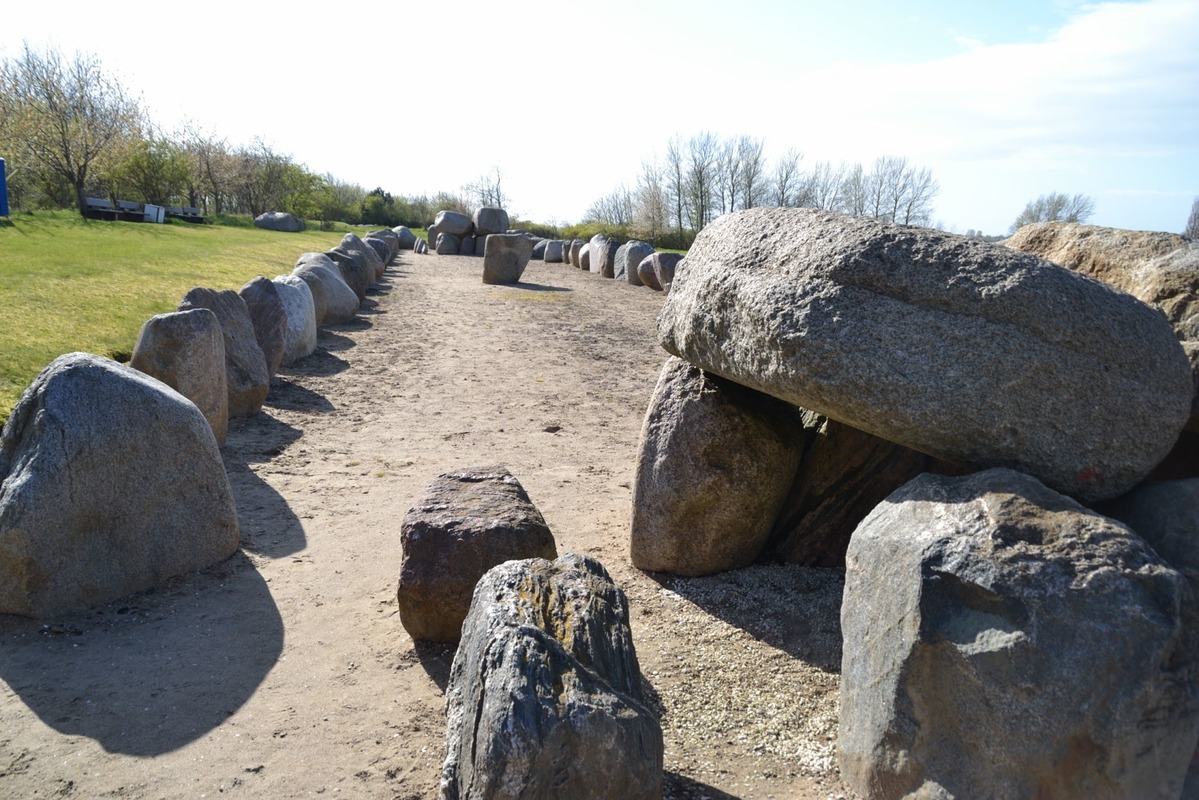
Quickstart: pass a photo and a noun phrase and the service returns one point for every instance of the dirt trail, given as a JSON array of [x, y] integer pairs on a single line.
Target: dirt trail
[[285, 671]]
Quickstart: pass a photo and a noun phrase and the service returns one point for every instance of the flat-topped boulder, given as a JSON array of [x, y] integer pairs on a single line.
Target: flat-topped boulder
[[246, 376], [490, 220], [111, 482], [186, 351], [964, 350], [506, 256], [453, 222]]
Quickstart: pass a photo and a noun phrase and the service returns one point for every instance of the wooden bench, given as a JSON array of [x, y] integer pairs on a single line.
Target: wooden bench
[[100, 208], [186, 213]]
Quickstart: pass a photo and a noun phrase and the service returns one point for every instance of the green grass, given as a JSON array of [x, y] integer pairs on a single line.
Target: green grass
[[67, 284]]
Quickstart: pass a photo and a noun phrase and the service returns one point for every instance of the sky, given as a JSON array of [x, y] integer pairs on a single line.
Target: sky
[[1003, 102]]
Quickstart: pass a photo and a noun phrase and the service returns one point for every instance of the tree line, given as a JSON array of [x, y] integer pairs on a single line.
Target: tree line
[[69, 131], [704, 176]]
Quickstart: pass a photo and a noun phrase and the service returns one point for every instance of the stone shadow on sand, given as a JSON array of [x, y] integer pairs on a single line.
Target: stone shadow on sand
[[152, 672], [268, 525], [792, 608], [680, 787], [436, 658], [294, 397]]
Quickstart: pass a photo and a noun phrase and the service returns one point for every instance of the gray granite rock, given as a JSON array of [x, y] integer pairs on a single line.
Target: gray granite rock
[[628, 256], [491, 220], [269, 319], [334, 300], [506, 256], [454, 222], [279, 221], [299, 334], [246, 377]]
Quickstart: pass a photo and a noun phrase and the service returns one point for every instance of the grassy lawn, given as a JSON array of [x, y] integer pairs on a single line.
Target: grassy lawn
[[67, 284]]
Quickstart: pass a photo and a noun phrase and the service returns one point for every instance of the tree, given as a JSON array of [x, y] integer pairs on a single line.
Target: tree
[[787, 179], [1055, 207], [617, 208], [486, 191], [154, 171], [751, 160], [1191, 231], [702, 154], [652, 213], [675, 180], [63, 116]]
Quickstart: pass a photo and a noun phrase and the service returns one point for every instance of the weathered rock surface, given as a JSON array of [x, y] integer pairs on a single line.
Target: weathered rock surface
[[406, 237], [553, 251], [466, 522], [299, 334], [375, 266], [843, 474], [246, 377], [279, 221], [970, 352], [715, 463], [355, 271], [186, 351], [628, 256], [545, 698], [539, 249], [647, 273], [382, 252], [330, 291], [110, 483], [576, 247], [491, 220], [467, 246], [665, 265], [453, 222], [269, 319], [447, 244], [603, 255], [1000, 640], [585, 258], [392, 240], [506, 256]]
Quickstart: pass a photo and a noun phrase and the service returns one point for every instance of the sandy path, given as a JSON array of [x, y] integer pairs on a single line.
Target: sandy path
[[285, 672]]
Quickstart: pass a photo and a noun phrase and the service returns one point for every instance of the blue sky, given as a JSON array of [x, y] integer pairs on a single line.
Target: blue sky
[[1003, 102]]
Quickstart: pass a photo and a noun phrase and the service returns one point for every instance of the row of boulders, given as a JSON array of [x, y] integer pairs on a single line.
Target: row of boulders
[[111, 476], [634, 262], [825, 365], [545, 695]]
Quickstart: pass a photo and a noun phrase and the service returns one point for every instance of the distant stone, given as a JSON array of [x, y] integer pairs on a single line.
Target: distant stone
[[716, 461], [355, 271], [453, 222], [545, 696], [628, 256], [246, 376], [1001, 640], [393, 243], [382, 250], [421, 247], [539, 250], [665, 265], [406, 237], [299, 334], [964, 350], [350, 243], [332, 297], [279, 221], [647, 274], [553, 251], [110, 483], [603, 256], [585, 258], [448, 244], [467, 246], [506, 257], [269, 318], [491, 220], [186, 351], [576, 247], [466, 522]]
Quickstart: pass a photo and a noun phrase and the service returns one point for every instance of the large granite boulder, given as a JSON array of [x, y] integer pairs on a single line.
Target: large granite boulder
[[539, 249], [466, 522], [186, 351], [454, 223], [576, 248], [843, 474], [505, 257], [553, 251], [375, 266], [355, 271], [467, 246], [334, 300], [269, 319], [648, 274], [279, 221], [964, 350], [110, 483], [447, 244], [585, 258], [382, 252], [545, 696], [1158, 268], [393, 243], [603, 255], [299, 334], [1000, 640], [491, 220], [406, 237], [246, 376], [628, 256], [715, 463]]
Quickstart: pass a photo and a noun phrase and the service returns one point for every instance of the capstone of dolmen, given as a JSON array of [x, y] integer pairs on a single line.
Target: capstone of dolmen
[[961, 349], [246, 377], [491, 220], [110, 483], [506, 257], [186, 351], [453, 222]]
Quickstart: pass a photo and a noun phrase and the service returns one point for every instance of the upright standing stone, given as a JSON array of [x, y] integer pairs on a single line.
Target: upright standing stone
[[647, 274], [545, 697], [299, 334], [506, 257], [334, 300], [715, 463], [603, 256], [110, 483], [553, 251], [964, 350], [1000, 640], [628, 256], [246, 377], [186, 351], [269, 319], [355, 271]]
